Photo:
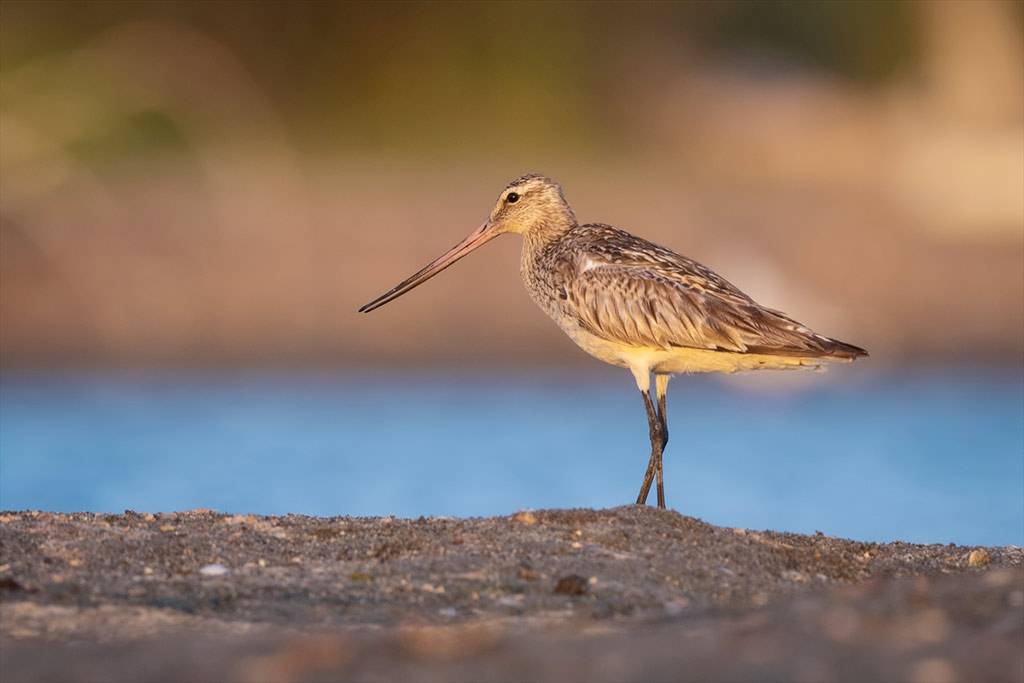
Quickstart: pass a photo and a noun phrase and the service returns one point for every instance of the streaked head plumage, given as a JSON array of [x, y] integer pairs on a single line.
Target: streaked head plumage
[[529, 202]]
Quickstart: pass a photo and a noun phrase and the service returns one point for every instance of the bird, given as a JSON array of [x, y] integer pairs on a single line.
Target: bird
[[635, 304]]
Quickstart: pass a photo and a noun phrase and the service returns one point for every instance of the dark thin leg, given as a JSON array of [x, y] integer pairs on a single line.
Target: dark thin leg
[[653, 464], [661, 385]]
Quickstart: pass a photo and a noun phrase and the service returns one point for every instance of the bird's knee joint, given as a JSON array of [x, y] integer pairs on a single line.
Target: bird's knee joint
[[660, 433]]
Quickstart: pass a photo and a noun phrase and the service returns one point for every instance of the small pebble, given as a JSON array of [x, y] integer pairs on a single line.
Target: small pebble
[[525, 517], [978, 558], [216, 569], [248, 520], [527, 574], [574, 584], [793, 575]]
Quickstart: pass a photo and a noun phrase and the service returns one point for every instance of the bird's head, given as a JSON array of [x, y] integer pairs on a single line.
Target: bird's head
[[529, 205]]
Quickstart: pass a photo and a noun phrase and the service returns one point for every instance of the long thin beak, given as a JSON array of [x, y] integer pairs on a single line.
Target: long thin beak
[[477, 238]]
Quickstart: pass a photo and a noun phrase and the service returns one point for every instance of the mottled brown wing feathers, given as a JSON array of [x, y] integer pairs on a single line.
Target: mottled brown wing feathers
[[648, 296], [632, 306]]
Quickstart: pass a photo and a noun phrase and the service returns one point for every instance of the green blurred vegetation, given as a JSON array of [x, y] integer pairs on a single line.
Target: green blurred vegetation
[[866, 41], [136, 134], [428, 77]]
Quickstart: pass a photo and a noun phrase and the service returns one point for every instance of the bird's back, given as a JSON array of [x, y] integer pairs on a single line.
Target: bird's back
[[628, 291]]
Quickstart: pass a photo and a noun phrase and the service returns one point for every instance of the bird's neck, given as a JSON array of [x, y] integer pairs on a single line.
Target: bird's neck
[[548, 229], [539, 243]]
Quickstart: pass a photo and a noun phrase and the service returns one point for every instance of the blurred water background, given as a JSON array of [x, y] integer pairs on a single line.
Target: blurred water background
[[919, 457], [195, 197]]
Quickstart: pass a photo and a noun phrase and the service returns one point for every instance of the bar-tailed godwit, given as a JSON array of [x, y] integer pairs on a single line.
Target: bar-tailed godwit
[[634, 304]]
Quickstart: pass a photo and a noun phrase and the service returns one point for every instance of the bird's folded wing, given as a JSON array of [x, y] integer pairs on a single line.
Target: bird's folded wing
[[641, 305]]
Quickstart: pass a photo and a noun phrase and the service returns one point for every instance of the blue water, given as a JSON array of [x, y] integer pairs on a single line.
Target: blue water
[[920, 457]]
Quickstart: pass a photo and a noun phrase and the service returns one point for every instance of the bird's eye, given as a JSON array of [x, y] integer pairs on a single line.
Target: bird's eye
[[512, 198]]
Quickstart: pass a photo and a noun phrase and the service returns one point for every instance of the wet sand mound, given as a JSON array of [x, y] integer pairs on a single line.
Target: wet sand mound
[[628, 593]]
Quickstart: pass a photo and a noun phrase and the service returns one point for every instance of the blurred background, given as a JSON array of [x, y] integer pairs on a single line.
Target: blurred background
[[196, 197]]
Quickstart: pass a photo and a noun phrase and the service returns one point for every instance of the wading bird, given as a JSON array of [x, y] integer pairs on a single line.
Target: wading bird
[[634, 304]]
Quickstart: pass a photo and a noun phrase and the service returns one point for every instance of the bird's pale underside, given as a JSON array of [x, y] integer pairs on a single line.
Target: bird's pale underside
[[635, 304]]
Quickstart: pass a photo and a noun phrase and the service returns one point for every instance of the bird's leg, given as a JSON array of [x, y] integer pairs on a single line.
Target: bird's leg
[[661, 386], [654, 427]]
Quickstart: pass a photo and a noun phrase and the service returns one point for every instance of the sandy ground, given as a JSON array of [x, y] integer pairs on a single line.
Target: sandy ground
[[623, 594]]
